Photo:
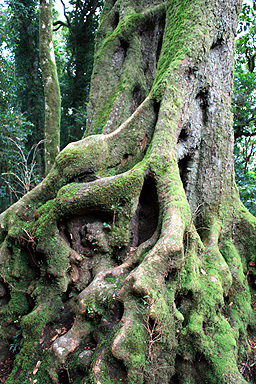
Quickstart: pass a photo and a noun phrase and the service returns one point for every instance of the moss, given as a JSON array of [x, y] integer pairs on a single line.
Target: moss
[[246, 227], [33, 323], [101, 120], [97, 301], [103, 194], [134, 346], [213, 335], [119, 235], [32, 359], [185, 35], [124, 29], [86, 155], [217, 344], [18, 305], [239, 293]]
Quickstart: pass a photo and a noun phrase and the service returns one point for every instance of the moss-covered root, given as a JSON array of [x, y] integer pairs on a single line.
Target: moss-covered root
[[149, 308], [98, 315], [33, 357], [87, 160], [210, 337]]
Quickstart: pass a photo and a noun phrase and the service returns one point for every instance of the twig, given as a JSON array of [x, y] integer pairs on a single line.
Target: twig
[[7, 282], [25, 177]]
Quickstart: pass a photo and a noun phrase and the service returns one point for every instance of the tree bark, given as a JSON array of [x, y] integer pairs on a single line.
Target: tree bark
[[133, 257], [51, 85]]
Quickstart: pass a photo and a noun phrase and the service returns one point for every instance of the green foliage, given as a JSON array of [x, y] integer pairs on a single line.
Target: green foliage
[[244, 108], [20, 95], [21, 90], [246, 182], [244, 101], [15, 346], [22, 28], [246, 45], [15, 129]]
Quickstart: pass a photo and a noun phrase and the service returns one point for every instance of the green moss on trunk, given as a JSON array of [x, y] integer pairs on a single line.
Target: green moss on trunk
[[51, 85]]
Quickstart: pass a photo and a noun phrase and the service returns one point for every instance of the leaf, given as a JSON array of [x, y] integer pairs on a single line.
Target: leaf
[[36, 368], [54, 337], [35, 371]]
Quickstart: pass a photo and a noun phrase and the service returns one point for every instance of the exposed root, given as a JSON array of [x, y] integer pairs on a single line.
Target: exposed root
[[67, 343]]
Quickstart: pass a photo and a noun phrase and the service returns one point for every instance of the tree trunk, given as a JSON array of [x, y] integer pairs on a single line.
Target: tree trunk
[[131, 261], [51, 85]]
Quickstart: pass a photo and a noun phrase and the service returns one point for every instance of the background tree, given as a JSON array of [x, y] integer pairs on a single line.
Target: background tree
[[20, 42], [51, 85], [22, 30], [244, 108], [82, 19], [133, 260], [15, 127]]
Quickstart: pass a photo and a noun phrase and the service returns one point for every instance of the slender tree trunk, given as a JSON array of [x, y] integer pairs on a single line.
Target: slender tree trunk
[[134, 256], [51, 85]]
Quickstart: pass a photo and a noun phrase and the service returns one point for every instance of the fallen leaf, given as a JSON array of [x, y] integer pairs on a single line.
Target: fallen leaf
[[54, 337], [202, 271], [36, 367], [143, 142]]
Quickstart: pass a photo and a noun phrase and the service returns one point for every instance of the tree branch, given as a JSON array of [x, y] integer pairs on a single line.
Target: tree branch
[[60, 24], [66, 16]]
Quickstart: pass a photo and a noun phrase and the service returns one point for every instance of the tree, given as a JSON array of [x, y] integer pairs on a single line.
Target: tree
[[51, 85], [134, 259], [80, 25], [15, 127], [22, 38]]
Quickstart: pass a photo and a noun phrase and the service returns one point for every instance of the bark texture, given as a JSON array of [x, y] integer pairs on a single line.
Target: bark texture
[[131, 261], [51, 85]]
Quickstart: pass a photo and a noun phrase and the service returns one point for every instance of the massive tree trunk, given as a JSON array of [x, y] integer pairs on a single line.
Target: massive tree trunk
[[51, 85], [131, 261]]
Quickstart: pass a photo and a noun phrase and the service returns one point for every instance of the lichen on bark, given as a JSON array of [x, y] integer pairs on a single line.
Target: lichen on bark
[[137, 256], [51, 85]]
